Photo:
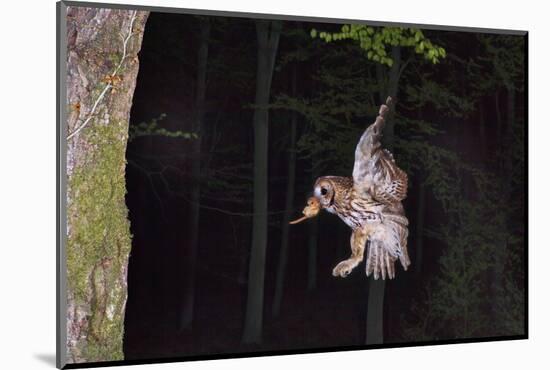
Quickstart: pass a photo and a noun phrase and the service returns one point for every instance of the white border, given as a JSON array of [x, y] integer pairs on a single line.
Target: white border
[[28, 182]]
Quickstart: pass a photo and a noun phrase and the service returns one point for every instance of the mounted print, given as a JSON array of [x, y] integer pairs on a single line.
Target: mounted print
[[239, 184]]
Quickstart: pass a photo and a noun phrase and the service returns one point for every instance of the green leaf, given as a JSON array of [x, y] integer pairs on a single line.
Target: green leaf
[[313, 33]]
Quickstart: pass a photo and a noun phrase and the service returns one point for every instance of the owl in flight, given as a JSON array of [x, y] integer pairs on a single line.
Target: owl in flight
[[370, 203]]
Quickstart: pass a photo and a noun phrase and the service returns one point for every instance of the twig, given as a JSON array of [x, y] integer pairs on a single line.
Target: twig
[[183, 196], [149, 175], [109, 84], [220, 210]]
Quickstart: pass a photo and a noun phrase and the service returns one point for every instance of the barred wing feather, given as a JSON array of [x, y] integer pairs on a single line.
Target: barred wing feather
[[375, 171]]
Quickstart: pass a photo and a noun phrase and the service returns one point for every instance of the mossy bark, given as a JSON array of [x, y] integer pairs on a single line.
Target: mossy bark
[[98, 232]]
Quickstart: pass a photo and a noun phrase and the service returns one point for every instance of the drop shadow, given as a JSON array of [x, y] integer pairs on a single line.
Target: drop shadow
[[47, 358]]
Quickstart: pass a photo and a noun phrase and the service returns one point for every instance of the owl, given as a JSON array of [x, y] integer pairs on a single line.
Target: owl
[[369, 202]]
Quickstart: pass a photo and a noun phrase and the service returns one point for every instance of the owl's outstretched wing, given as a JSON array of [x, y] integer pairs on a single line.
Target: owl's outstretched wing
[[375, 171], [387, 244]]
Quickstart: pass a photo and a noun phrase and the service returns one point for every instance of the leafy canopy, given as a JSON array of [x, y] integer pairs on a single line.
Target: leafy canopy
[[374, 41]]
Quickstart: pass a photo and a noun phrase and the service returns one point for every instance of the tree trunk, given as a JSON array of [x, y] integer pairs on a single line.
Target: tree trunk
[[498, 117], [268, 40], [375, 305], [511, 92], [497, 270], [312, 240], [283, 256], [420, 216], [189, 292], [393, 85], [420, 212], [482, 128], [101, 76]]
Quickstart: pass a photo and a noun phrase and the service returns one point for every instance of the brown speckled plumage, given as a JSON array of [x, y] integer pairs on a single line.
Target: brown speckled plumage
[[369, 202]]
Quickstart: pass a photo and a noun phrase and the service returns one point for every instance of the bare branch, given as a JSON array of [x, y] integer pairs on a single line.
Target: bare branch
[[168, 188]]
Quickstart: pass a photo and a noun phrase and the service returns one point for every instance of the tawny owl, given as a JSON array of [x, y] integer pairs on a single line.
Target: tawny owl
[[370, 203]]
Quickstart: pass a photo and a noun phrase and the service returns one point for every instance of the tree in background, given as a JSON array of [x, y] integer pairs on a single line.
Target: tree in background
[[194, 209], [101, 76], [289, 206], [268, 33], [300, 51]]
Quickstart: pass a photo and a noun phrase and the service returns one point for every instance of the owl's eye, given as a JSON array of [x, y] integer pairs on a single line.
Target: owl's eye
[[324, 191]]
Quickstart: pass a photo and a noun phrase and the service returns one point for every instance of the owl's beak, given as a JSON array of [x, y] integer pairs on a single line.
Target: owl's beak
[[311, 210]]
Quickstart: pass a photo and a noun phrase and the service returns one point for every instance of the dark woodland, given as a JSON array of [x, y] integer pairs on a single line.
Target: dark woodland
[[232, 121]]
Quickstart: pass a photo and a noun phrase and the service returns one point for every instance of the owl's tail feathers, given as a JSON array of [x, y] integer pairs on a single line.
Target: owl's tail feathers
[[380, 262], [404, 258], [381, 258], [404, 255]]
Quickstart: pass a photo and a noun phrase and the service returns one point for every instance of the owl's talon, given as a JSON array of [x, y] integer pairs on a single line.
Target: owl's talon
[[344, 268]]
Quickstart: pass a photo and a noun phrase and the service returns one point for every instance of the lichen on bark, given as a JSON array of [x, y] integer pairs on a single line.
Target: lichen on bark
[[99, 243], [98, 232]]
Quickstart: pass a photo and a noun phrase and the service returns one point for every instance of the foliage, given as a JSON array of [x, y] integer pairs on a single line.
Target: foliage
[[428, 92], [374, 40], [152, 128], [478, 290], [457, 303], [504, 57], [344, 104]]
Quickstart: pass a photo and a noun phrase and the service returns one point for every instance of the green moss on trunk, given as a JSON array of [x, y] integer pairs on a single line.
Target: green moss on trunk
[[99, 241]]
